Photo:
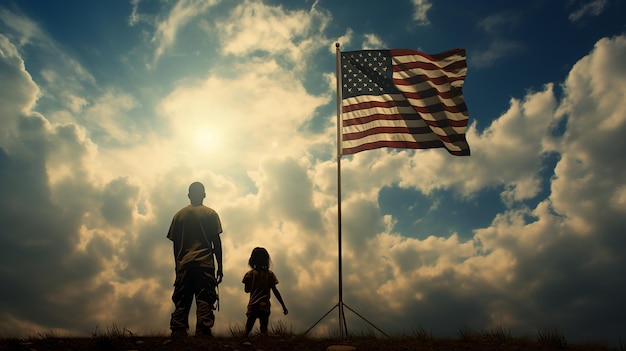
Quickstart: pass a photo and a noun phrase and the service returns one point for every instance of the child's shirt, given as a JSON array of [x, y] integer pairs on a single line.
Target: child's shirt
[[259, 283]]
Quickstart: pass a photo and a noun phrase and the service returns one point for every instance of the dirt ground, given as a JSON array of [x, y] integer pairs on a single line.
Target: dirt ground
[[259, 343]]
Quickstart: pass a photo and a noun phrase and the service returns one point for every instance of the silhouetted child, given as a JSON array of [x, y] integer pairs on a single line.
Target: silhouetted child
[[258, 282]]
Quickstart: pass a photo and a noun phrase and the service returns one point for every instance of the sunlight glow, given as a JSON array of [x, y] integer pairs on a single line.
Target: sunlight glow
[[205, 140]]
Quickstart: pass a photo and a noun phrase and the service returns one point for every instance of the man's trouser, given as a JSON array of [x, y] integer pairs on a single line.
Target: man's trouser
[[199, 283]]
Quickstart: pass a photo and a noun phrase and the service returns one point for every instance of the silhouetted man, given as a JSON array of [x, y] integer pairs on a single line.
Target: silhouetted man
[[195, 231]]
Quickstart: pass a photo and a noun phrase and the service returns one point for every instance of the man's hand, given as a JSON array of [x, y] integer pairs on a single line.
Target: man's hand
[[220, 276]]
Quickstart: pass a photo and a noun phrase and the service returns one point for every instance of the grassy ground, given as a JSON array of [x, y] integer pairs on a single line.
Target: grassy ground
[[281, 338]]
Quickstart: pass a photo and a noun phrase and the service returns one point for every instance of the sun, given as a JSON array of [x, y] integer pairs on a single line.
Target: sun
[[204, 139]]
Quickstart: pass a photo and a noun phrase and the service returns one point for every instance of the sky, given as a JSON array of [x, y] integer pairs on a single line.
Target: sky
[[109, 110]]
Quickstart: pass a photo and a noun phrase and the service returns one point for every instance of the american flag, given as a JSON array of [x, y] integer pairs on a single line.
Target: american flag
[[403, 99]]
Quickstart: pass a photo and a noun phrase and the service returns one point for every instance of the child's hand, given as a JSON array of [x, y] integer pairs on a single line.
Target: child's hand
[[285, 312]]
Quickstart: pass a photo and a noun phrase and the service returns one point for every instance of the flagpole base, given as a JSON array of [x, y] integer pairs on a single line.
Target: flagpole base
[[343, 326]]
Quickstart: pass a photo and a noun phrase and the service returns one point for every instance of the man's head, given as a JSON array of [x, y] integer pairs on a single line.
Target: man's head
[[196, 193]]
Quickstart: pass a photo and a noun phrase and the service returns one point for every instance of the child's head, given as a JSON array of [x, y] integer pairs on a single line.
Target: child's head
[[259, 259]]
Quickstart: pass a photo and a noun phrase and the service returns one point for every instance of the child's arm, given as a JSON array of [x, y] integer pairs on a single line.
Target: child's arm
[[246, 283], [279, 298]]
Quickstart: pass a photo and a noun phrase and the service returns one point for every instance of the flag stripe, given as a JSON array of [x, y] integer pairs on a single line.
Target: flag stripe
[[454, 69], [355, 112], [403, 99], [372, 144], [425, 105], [442, 59], [401, 78], [422, 133], [356, 132]]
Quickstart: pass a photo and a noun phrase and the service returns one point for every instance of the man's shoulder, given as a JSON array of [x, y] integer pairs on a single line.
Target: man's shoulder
[[196, 209], [182, 210], [199, 209], [209, 209]]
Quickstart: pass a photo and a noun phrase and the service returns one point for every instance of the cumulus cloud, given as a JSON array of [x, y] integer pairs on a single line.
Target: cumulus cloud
[[42, 221], [20, 96], [254, 27]]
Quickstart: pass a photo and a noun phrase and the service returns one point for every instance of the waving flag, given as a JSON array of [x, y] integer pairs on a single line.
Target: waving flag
[[403, 99]]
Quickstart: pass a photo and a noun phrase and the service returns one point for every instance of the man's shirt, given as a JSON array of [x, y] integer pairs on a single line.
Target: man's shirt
[[193, 231]]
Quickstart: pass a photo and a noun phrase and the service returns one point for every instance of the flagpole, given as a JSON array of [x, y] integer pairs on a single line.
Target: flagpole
[[342, 320]]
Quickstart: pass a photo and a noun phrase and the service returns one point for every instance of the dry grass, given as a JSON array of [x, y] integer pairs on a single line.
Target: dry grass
[[282, 337]]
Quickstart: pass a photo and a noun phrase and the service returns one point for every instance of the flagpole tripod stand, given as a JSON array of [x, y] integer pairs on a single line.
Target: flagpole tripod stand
[[343, 326]]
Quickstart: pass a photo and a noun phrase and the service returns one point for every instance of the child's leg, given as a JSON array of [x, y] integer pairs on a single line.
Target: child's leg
[[264, 319], [250, 322]]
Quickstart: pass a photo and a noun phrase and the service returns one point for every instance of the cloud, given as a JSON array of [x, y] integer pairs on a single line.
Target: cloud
[[372, 41], [420, 9], [180, 15], [577, 229], [495, 23], [41, 220], [135, 17], [60, 212], [343, 40], [497, 50], [118, 202], [107, 118], [27, 30], [593, 8], [233, 115], [20, 96], [496, 26], [589, 164], [254, 27]]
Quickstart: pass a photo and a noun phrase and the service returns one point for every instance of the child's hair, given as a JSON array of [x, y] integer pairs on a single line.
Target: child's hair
[[259, 259]]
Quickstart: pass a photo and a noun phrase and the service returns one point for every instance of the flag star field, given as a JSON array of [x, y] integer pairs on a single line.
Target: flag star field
[[110, 110]]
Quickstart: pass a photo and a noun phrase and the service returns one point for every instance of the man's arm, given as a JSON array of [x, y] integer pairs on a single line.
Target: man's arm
[[217, 249], [174, 237]]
